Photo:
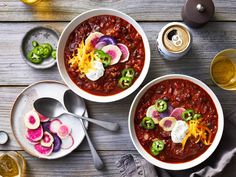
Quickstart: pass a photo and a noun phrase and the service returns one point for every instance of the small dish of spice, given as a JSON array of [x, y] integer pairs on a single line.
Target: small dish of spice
[[38, 47]]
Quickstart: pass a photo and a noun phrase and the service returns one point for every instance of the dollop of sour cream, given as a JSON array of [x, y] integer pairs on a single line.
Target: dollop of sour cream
[[179, 131], [96, 71]]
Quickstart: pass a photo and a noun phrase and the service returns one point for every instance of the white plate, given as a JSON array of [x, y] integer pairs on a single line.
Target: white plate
[[24, 103]]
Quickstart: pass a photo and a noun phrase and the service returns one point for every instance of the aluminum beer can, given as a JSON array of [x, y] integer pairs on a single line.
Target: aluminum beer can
[[174, 40]]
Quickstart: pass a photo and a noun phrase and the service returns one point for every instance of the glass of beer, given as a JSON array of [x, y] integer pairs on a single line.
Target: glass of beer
[[12, 164], [223, 69], [30, 2]]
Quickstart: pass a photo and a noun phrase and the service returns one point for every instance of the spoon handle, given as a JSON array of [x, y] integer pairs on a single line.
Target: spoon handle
[[98, 163], [107, 125]]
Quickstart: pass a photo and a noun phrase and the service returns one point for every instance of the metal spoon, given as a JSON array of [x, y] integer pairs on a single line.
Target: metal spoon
[[52, 108], [78, 109]]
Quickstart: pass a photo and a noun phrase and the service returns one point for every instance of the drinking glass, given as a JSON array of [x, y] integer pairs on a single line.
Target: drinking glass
[[223, 69], [12, 164], [30, 2]]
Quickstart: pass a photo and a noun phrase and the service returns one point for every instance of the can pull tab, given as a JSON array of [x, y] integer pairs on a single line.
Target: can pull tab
[[174, 37], [177, 41]]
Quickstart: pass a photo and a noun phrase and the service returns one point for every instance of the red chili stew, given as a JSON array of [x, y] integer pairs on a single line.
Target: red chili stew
[[124, 33], [177, 93]]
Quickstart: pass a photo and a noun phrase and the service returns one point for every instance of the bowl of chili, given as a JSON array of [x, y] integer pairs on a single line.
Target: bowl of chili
[[176, 122], [103, 55]]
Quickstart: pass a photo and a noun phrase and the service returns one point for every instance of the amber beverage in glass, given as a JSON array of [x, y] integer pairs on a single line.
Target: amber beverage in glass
[[223, 69], [30, 2], [12, 164]]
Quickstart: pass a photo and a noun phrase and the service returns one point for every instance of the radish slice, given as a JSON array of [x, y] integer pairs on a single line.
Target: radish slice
[[43, 150], [100, 45], [67, 142], [93, 38], [43, 118], [30, 141], [34, 135], [108, 39], [177, 113], [57, 143], [167, 113], [63, 131], [54, 126], [167, 123], [125, 52], [32, 120], [46, 126], [114, 52], [153, 113], [47, 140]]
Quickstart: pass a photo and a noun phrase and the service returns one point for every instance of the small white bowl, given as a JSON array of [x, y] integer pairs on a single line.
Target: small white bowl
[[60, 55], [176, 166]]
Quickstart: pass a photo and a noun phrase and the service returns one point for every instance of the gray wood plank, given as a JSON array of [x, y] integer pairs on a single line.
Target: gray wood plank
[[148, 10], [117, 112], [207, 42], [77, 164]]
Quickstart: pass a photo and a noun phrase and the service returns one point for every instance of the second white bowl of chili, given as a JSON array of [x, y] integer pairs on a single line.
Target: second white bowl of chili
[[176, 122]]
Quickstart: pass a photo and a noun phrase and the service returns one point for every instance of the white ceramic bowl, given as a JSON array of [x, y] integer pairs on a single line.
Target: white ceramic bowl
[[176, 166], [60, 55]]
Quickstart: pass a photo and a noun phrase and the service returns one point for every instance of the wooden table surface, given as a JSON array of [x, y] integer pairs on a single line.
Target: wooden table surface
[[16, 18]]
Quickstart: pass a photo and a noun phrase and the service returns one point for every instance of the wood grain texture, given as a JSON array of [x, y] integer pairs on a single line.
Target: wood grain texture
[[77, 164], [207, 42], [16, 18], [141, 10], [103, 139]]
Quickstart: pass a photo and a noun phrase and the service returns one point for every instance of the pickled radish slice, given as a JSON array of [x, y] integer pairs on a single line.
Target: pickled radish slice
[[54, 126], [30, 141], [114, 52], [57, 143], [34, 135], [108, 40], [32, 120], [167, 123], [43, 150], [167, 113], [43, 118], [153, 113], [125, 52], [47, 140], [63, 131], [100, 45], [67, 142], [177, 113], [93, 38], [46, 126]]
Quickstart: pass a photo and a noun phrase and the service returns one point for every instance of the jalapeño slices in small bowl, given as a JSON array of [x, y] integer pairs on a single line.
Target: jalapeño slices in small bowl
[[38, 47]]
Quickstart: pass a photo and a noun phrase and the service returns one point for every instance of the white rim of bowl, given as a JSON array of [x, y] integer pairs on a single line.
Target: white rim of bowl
[[188, 164], [61, 66]]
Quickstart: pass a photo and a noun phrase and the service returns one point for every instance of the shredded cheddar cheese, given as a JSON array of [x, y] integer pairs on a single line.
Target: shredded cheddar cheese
[[82, 59], [199, 132]]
